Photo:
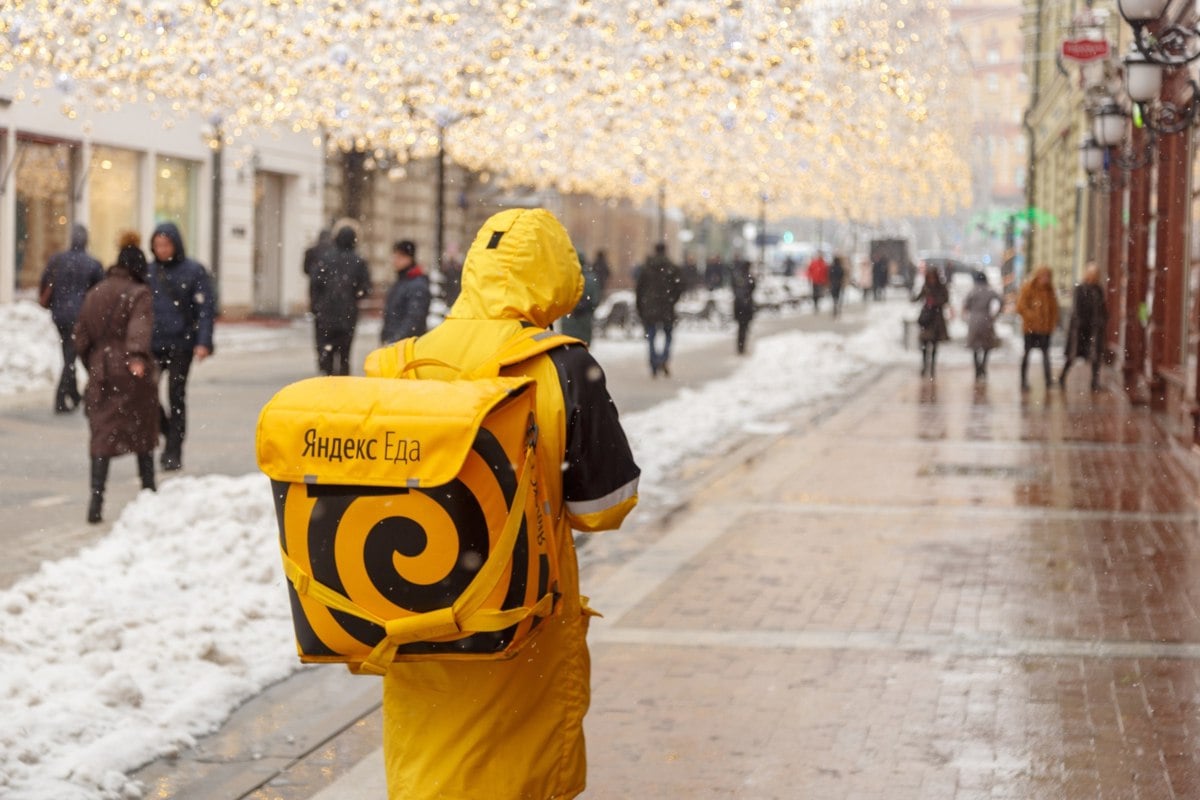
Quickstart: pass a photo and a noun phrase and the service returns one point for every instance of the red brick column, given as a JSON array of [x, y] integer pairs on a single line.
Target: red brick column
[[1137, 281]]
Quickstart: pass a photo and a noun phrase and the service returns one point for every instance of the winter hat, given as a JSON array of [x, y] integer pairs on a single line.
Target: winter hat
[[131, 257], [408, 248]]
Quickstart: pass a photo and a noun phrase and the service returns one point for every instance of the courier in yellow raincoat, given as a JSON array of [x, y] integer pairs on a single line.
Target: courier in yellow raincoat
[[514, 729]]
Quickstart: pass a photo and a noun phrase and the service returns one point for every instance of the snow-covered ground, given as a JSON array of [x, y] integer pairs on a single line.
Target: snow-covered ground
[[137, 645]]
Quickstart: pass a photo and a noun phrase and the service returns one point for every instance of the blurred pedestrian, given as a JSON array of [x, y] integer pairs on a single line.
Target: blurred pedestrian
[[981, 308], [714, 273], [578, 323], [818, 277], [1089, 317], [932, 319], [113, 337], [406, 307], [603, 273], [690, 274], [314, 255], [65, 281], [879, 277], [1038, 307], [659, 286], [337, 286], [837, 280], [743, 301], [451, 276], [184, 312]]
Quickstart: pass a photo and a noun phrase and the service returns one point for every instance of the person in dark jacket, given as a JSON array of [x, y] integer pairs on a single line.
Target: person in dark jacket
[[837, 280], [932, 320], [743, 301], [113, 336], [879, 277], [1089, 316], [578, 323], [659, 286], [315, 255], [65, 281], [603, 273], [184, 311], [407, 305], [336, 288]]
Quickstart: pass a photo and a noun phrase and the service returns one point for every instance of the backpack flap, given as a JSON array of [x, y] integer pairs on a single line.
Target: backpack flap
[[384, 433]]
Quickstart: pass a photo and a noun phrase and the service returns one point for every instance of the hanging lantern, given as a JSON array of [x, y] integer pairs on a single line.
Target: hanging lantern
[[1108, 125], [1143, 78]]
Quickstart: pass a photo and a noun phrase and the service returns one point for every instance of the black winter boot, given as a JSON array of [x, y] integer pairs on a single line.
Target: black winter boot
[[99, 480], [145, 462]]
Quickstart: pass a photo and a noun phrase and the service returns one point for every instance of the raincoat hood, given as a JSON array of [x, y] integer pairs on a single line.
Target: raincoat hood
[[522, 266], [171, 231], [79, 237]]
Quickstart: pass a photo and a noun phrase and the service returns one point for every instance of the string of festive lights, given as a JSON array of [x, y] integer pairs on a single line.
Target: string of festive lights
[[834, 108]]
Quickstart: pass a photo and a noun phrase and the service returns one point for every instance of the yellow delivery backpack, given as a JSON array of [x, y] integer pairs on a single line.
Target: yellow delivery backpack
[[410, 520]]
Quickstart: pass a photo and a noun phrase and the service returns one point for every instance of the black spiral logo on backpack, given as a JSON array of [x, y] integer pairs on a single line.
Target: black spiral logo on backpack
[[397, 551]]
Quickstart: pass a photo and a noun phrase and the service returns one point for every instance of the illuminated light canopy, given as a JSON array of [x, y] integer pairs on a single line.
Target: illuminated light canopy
[[832, 108]]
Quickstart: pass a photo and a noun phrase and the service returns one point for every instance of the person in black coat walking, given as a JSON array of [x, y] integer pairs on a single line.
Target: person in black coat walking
[[837, 280], [659, 286], [184, 312], [341, 280], [407, 304], [1089, 317], [743, 301], [65, 281]]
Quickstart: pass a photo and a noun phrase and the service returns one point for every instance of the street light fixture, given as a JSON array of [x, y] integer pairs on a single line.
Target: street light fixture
[[1108, 124], [1171, 44], [1091, 156], [1143, 77]]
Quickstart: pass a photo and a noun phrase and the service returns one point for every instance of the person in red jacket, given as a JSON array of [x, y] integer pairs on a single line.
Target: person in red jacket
[[818, 276]]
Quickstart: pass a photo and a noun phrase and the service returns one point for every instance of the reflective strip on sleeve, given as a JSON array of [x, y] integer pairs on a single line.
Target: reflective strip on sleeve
[[582, 507]]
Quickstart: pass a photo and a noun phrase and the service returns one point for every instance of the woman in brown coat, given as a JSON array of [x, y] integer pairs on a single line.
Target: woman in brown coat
[[112, 337], [1038, 307]]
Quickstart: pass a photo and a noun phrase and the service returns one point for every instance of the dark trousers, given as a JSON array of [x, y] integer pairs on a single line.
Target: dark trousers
[[1095, 361], [980, 356], [66, 396], [929, 358], [1036, 341], [836, 294], [175, 365], [659, 359], [743, 330], [333, 351]]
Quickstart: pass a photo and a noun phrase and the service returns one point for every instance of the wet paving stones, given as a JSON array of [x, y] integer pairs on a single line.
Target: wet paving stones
[[940, 591]]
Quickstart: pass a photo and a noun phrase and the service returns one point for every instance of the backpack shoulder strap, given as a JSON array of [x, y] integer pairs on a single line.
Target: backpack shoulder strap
[[525, 345]]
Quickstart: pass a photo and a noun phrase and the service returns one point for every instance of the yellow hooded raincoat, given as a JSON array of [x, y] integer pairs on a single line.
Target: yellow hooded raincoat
[[514, 729]]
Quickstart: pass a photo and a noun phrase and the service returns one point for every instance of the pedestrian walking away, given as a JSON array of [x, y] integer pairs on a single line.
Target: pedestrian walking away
[[981, 308], [342, 280], [65, 281], [659, 287], [603, 273], [931, 321], [879, 277], [113, 337], [1089, 317], [184, 313], [579, 322], [513, 729], [818, 277], [1037, 306], [837, 280], [743, 302], [406, 307]]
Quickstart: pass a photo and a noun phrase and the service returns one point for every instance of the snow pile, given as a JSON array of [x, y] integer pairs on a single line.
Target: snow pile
[[142, 642], [782, 372], [31, 357]]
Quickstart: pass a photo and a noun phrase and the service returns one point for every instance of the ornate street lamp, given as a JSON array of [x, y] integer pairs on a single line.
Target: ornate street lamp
[[1171, 45], [1091, 156], [1143, 77], [1108, 123]]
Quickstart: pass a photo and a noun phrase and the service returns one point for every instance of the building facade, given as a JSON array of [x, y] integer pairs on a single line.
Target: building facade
[[245, 208]]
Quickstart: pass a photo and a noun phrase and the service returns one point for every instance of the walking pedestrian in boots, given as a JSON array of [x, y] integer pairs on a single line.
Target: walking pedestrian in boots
[[336, 286], [1038, 308], [659, 287], [65, 281], [837, 280], [184, 311], [1089, 317], [113, 337], [981, 308], [932, 320]]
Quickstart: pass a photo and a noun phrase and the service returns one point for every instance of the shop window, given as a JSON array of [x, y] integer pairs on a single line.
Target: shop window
[[44, 179], [113, 189], [175, 182]]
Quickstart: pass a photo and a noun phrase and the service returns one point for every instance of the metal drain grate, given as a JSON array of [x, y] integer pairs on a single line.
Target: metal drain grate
[[1001, 471]]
